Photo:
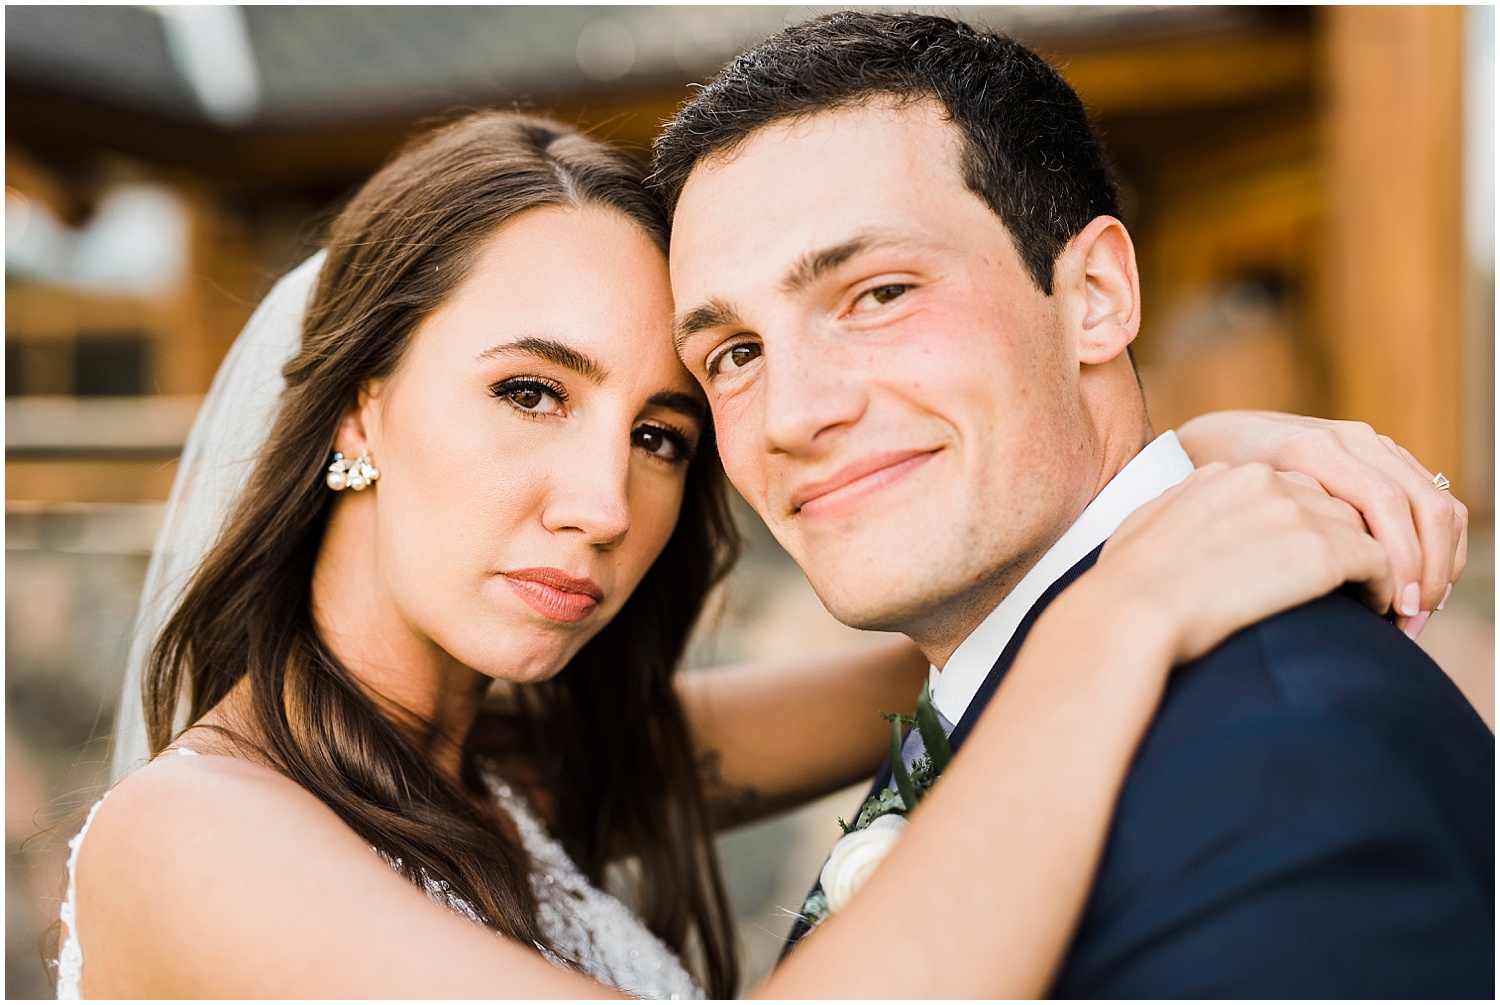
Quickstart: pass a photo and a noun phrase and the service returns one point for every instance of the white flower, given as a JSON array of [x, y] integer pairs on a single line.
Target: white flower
[[856, 855]]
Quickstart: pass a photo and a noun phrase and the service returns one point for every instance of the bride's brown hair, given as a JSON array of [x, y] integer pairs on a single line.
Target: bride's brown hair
[[607, 737]]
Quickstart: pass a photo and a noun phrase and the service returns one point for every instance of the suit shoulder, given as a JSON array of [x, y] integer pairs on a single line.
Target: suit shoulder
[[1264, 831], [1292, 857], [1332, 666], [1341, 637], [1334, 659], [1327, 698]]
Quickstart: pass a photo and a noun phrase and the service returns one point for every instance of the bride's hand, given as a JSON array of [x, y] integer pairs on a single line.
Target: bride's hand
[[1232, 545], [1424, 530]]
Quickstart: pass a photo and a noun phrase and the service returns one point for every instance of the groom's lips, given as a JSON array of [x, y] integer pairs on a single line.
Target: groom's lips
[[828, 496]]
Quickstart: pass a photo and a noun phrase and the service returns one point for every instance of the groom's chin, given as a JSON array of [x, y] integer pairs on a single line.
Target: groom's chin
[[875, 602], [927, 588]]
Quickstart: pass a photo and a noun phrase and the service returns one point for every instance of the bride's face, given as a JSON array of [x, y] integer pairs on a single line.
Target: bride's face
[[533, 445]]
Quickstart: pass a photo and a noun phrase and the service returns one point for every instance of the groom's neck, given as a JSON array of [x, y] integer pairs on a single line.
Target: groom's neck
[[947, 625]]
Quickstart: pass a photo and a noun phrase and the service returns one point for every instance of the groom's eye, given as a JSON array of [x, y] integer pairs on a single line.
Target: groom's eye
[[741, 355], [885, 294]]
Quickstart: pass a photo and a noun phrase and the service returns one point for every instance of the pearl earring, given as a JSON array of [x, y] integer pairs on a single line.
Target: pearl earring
[[357, 474]]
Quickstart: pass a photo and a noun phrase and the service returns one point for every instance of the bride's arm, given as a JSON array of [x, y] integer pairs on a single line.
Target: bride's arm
[[997, 862], [770, 737], [751, 725], [1424, 530]]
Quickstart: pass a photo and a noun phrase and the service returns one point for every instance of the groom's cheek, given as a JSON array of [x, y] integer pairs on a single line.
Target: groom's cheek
[[737, 430]]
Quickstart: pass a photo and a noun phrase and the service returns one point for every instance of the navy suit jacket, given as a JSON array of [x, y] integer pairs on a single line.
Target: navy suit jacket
[[1310, 814]]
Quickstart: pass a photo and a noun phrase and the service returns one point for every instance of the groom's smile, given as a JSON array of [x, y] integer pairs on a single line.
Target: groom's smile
[[891, 390], [844, 491]]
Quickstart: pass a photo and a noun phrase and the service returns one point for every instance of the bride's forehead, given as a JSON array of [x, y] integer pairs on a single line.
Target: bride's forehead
[[569, 238], [624, 343], [603, 289]]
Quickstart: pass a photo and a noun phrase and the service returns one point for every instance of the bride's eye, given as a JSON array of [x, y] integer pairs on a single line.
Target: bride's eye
[[531, 396], [660, 441]]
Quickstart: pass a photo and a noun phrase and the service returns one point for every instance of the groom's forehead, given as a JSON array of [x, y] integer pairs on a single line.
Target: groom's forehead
[[873, 112], [811, 138]]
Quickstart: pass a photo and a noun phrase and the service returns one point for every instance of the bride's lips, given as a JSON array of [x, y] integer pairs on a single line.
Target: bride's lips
[[555, 594], [844, 488]]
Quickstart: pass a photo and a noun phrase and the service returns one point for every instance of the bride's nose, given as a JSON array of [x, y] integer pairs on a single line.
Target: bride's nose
[[588, 491]]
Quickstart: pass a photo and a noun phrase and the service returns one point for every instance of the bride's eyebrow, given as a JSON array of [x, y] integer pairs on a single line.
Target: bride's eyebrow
[[553, 352], [688, 405]]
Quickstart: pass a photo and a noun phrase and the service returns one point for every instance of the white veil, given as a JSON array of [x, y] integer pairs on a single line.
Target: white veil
[[227, 436]]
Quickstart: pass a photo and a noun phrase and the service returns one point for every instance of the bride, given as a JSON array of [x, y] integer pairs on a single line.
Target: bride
[[417, 694]]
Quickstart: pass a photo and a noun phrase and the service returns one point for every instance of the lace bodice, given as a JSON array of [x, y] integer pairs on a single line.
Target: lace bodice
[[596, 930], [587, 925]]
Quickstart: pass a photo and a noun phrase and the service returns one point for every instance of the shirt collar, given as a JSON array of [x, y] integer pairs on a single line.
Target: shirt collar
[[1162, 464]]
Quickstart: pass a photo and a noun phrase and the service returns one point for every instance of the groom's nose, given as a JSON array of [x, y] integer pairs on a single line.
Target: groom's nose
[[813, 392]]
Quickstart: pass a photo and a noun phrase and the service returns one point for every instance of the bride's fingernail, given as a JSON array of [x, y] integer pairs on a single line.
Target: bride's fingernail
[[1446, 594], [1411, 600], [1415, 625]]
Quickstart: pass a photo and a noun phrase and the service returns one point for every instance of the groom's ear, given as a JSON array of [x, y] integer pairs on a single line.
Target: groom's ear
[[1098, 289], [359, 429]]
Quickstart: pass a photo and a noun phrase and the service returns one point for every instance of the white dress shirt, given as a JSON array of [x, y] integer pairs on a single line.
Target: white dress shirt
[[1162, 464]]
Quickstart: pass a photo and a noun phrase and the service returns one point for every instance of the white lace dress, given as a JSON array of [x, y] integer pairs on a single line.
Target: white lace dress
[[586, 924]]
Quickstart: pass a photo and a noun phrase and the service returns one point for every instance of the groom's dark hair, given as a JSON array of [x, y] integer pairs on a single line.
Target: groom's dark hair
[[1029, 150]]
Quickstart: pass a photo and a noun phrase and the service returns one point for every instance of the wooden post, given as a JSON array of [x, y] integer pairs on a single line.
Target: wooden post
[[1395, 149]]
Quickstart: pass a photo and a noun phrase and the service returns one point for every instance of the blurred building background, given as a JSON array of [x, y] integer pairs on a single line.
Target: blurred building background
[[1311, 191]]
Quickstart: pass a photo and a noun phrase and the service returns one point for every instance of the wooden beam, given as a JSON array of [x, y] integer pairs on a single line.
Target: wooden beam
[[34, 181], [74, 481], [1179, 75], [69, 129], [42, 312], [315, 156], [1395, 153], [62, 425]]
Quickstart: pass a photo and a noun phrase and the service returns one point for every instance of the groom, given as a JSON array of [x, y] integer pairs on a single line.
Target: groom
[[905, 289]]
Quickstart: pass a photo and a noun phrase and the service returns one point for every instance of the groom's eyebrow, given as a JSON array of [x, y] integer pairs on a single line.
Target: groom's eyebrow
[[712, 313], [807, 270], [816, 264], [553, 352]]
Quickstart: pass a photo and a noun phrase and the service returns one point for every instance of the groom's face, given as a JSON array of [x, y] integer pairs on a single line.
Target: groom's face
[[890, 389]]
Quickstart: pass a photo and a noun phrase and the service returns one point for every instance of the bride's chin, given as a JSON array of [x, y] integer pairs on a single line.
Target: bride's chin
[[510, 645], [520, 664], [529, 674]]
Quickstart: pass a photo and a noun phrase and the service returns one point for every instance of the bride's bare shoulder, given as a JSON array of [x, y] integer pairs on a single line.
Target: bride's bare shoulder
[[192, 832], [180, 797], [214, 876], [184, 852], [209, 784]]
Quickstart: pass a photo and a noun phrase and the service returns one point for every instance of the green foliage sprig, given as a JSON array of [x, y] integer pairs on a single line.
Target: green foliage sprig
[[913, 781]]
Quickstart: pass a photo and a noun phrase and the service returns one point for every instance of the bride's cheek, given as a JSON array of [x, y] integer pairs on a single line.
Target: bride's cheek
[[659, 513]]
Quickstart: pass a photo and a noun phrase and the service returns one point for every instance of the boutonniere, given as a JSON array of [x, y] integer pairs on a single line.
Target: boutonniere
[[878, 825]]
